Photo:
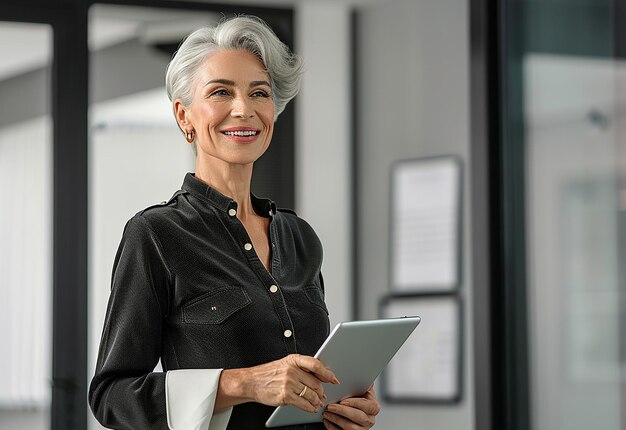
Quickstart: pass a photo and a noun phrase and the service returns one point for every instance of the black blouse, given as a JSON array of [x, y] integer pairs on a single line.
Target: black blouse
[[189, 289]]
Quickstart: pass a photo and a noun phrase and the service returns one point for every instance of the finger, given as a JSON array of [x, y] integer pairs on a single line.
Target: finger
[[341, 422], [330, 426], [349, 413], [315, 392], [371, 394], [357, 416], [316, 367], [303, 403], [311, 396], [368, 406]]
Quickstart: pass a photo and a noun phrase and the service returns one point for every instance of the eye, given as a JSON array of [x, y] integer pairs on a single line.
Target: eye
[[261, 93], [220, 92]]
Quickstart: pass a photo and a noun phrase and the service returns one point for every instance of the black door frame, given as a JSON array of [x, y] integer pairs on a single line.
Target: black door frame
[[501, 375]]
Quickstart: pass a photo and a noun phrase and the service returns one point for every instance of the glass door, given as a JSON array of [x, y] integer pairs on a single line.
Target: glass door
[[565, 109]]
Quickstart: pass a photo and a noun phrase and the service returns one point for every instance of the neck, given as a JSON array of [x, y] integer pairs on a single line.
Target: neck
[[232, 180]]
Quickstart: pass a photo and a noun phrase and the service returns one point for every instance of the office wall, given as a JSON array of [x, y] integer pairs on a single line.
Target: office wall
[[323, 143], [413, 102]]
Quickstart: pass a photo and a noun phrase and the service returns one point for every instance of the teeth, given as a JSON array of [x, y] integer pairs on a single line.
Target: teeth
[[240, 133]]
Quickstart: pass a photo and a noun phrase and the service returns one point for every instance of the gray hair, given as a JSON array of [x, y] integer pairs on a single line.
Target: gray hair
[[243, 32]]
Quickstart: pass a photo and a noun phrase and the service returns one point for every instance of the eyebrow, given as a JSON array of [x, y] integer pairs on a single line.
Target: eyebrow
[[257, 83], [232, 83]]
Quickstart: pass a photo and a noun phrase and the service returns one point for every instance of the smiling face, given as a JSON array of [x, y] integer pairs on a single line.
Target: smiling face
[[232, 111]]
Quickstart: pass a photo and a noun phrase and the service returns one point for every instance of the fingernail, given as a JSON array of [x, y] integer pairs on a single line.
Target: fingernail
[[336, 381], [326, 424]]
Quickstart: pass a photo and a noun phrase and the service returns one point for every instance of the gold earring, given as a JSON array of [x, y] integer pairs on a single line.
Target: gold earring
[[189, 136]]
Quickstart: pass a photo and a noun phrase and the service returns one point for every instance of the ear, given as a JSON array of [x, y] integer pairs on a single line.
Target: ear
[[181, 112]]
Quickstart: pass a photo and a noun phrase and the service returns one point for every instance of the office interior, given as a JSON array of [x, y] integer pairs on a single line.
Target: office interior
[[528, 96]]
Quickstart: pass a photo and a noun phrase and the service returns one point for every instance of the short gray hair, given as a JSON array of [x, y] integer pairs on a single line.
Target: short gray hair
[[242, 32]]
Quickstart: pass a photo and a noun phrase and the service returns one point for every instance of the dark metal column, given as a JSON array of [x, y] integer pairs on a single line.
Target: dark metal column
[[484, 99], [69, 112], [498, 211]]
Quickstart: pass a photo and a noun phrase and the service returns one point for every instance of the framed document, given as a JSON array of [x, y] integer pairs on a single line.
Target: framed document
[[425, 225], [428, 367]]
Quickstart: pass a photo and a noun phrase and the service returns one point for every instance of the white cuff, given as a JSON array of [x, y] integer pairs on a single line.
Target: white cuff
[[190, 397]]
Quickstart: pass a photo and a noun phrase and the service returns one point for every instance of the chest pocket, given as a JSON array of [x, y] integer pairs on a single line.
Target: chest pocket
[[315, 296], [216, 306]]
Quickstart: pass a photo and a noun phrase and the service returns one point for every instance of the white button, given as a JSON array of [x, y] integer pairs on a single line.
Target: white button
[[232, 212], [247, 246], [287, 333], [273, 288]]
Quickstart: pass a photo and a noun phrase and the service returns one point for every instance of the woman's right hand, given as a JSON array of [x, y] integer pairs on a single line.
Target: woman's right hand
[[277, 383]]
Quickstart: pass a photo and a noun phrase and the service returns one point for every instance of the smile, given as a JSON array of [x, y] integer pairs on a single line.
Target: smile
[[241, 133]]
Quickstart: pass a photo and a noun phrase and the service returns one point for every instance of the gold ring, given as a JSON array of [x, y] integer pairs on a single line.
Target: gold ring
[[303, 391]]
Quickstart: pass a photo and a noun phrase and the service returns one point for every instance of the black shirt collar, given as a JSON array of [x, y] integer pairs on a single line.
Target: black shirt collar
[[193, 185]]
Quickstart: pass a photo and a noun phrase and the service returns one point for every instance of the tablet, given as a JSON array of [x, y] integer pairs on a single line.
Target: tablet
[[357, 351]]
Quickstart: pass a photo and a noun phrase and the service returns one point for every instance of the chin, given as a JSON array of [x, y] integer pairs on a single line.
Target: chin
[[245, 156], [241, 159]]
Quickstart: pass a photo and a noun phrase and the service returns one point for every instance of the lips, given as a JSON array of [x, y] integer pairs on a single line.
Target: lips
[[241, 134], [241, 131]]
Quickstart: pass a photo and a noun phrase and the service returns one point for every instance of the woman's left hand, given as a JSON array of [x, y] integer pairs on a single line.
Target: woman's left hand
[[354, 413]]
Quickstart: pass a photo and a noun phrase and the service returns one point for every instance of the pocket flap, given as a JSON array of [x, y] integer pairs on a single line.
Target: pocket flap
[[216, 306]]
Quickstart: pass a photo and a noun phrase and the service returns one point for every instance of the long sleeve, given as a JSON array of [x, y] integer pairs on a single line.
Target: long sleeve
[[125, 393], [190, 395]]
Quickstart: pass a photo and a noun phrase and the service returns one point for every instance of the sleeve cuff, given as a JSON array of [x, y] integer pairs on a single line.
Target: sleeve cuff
[[190, 397]]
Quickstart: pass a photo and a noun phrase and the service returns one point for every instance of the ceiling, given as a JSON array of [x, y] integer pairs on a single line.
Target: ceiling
[[108, 25]]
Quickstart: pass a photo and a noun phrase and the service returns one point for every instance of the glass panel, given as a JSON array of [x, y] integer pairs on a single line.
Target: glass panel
[[137, 156], [573, 248], [568, 100], [25, 225]]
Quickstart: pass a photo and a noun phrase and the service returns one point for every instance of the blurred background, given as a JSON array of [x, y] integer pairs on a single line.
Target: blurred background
[[528, 96]]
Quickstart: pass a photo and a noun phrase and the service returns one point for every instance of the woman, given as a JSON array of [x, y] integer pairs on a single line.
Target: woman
[[221, 286]]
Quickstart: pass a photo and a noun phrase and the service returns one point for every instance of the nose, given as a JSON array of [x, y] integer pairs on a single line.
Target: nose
[[242, 107]]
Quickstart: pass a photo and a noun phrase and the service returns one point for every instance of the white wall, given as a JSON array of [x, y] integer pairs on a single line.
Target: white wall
[[323, 143], [413, 102]]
